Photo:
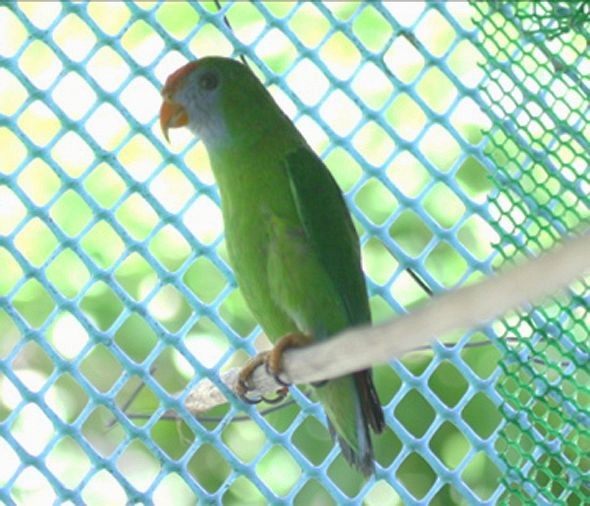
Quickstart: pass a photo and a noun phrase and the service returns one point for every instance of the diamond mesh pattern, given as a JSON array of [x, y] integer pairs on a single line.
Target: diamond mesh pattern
[[114, 271], [540, 146]]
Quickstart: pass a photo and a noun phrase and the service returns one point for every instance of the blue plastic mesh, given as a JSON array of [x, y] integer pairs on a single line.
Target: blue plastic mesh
[[113, 269]]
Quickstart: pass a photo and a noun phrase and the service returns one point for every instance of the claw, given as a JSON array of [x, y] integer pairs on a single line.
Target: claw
[[242, 390], [250, 400], [281, 394], [275, 375], [275, 356], [272, 362], [243, 387]]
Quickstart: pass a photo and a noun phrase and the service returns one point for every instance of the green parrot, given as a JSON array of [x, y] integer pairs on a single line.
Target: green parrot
[[290, 238]]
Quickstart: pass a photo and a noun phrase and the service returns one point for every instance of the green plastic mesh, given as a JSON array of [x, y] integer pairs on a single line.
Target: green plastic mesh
[[539, 78], [113, 269]]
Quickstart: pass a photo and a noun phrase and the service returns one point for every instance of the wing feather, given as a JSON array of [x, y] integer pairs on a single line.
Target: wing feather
[[329, 228]]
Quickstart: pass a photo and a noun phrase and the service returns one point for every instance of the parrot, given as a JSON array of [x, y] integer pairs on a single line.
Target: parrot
[[290, 238]]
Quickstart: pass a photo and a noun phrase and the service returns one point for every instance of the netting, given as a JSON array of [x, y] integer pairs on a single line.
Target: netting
[[113, 269], [537, 55]]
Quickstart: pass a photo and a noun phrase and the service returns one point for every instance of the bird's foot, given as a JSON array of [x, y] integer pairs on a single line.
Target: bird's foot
[[243, 386], [273, 363]]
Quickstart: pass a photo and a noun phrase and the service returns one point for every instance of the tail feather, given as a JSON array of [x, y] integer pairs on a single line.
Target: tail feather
[[362, 459], [370, 400], [352, 406]]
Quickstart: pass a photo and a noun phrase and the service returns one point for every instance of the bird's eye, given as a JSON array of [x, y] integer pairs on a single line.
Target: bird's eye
[[208, 81]]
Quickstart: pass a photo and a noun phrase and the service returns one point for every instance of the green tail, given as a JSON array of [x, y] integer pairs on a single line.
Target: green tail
[[352, 406]]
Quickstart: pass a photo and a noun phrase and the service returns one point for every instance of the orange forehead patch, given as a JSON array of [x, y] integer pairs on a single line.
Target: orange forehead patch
[[175, 79]]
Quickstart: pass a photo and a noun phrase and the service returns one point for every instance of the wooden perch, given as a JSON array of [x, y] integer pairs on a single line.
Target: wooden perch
[[467, 307]]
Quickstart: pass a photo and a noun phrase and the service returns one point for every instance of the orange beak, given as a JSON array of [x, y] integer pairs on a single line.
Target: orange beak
[[172, 115]]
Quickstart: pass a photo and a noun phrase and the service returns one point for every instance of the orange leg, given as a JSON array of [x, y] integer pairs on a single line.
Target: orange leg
[[242, 388], [275, 356], [272, 361]]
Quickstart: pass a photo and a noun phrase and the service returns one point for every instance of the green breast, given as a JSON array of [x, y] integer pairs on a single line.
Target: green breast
[[253, 189]]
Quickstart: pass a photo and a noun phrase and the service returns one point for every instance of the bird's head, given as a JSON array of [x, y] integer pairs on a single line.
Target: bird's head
[[216, 98]]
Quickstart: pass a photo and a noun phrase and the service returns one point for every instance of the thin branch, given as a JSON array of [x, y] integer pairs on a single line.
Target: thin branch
[[173, 416], [421, 283], [467, 307], [130, 400], [227, 23]]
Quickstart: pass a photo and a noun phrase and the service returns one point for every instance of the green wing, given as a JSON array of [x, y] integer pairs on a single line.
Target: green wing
[[329, 228]]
